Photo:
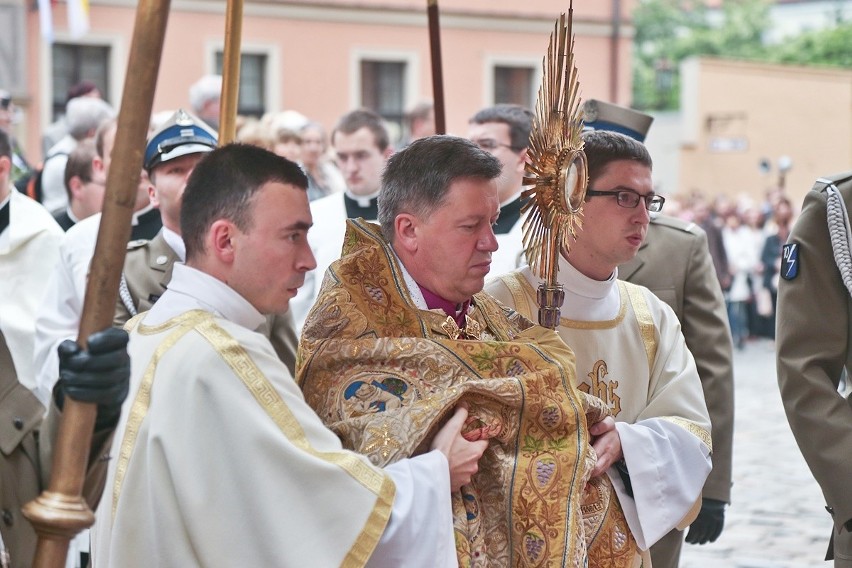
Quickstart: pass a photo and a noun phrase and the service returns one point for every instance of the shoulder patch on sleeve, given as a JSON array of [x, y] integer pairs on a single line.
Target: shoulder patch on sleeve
[[790, 261]]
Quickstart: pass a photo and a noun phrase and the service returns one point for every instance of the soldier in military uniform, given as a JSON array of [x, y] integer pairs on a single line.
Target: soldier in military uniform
[[170, 156], [814, 330], [674, 263]]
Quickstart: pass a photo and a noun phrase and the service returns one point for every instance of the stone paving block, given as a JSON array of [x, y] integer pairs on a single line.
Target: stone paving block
[[777, 518]]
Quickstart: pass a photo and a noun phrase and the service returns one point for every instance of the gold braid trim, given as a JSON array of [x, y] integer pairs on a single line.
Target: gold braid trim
[[515, 281], [184, 323], [647, 328], [692, 428], [270, 400], [236, 357]]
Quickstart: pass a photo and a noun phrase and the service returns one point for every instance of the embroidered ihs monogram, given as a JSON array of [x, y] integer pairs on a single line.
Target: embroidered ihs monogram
[[601, 388]]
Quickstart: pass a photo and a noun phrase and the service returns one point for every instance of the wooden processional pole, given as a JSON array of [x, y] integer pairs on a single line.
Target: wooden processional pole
[[231, 72], [437, 69], [60, 512]]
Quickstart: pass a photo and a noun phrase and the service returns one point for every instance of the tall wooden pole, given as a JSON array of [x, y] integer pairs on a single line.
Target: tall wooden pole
[[437, 68], [60, 512], [231, 72]]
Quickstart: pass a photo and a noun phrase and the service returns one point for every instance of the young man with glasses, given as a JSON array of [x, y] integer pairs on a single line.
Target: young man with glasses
[[628, 345]]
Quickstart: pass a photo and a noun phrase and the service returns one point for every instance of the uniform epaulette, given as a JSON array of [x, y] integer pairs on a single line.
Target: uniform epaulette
[[137, 244], [837, 179], [676, 223]]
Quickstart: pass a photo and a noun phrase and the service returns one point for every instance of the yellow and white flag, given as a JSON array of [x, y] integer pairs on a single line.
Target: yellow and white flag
[[45, 18], [78, 17]]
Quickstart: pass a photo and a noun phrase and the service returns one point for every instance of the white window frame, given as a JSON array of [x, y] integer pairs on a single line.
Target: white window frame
[[272, 93], [494, 61], [117, 45], [412, 72]]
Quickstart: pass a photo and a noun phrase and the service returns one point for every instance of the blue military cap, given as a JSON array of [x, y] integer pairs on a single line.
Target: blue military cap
[[598, 115], [180, 135]]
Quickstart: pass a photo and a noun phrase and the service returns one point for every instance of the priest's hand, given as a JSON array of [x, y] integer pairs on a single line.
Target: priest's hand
[[607, 444], [99, 374], [462, 454], [708, 525]]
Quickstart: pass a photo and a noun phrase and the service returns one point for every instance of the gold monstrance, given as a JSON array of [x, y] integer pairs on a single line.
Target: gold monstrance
[[556, 172]]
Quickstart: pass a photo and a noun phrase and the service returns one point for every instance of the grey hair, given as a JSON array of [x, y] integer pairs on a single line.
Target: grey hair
[[416, 179], [85, 114]]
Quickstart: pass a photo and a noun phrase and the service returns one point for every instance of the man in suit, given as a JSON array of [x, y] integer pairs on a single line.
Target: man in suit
[[674, 263], [813, 347], [170, 156]]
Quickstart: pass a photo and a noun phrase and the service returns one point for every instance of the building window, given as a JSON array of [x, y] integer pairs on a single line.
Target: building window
[[252, 95], [73, 63], [515, 85], [383, 89]]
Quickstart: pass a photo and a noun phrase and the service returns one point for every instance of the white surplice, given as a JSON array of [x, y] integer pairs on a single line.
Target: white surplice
[[225, 465]]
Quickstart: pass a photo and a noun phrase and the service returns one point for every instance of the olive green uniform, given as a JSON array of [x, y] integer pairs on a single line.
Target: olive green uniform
[[674, 262], [814, 346]]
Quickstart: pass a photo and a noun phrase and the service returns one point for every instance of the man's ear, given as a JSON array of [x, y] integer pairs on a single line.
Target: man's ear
[[152, 195], [98, 166], [75, 186], [220, 240], [405, 232], [522, 160], [5, 166]]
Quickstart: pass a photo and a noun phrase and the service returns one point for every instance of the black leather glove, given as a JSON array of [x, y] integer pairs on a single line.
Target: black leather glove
[[100, 374], [708, 525]]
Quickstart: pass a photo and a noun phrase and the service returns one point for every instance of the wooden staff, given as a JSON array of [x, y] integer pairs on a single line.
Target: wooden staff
[[60, 512], [437, 69], [231, 72]]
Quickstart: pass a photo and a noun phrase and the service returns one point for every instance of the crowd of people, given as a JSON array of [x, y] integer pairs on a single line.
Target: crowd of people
[[747, 254], [335, 338]]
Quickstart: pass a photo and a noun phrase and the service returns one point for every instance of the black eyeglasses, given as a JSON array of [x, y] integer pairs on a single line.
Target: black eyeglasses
[[489, 144], [629, 199], [5, 102]]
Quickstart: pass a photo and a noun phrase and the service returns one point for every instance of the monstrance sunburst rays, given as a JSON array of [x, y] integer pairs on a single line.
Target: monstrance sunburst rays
[[556, 169]]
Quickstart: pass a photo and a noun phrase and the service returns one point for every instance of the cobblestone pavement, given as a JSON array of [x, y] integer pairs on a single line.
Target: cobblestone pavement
[[777, 517]]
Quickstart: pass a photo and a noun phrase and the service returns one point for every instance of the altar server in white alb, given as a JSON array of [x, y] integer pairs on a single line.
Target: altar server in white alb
[[629, 347], [217, 460]]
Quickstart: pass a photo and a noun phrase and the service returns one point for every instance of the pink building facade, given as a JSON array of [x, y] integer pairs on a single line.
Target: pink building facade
[[324, 58]]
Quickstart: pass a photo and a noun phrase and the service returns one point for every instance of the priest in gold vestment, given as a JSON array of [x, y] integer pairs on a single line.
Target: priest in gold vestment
[[401, 332], [218, 461]]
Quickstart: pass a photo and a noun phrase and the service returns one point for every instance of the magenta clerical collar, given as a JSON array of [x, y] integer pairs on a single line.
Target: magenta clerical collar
[[452, 309]]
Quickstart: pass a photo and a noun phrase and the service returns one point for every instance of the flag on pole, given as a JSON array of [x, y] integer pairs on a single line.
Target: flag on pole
[[45, 18], [78, 17]]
